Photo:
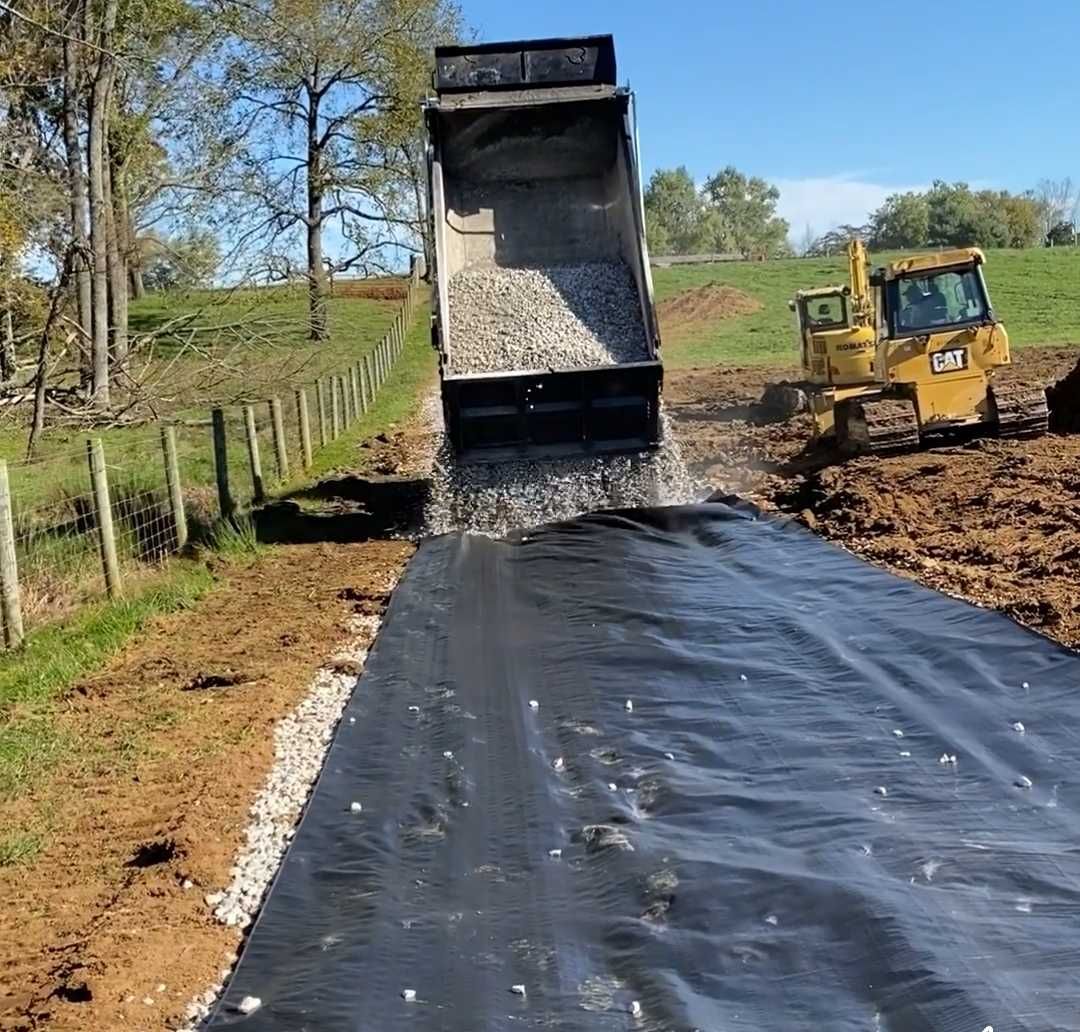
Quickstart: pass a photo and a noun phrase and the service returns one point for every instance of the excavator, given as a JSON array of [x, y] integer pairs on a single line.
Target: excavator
[[907, 351]]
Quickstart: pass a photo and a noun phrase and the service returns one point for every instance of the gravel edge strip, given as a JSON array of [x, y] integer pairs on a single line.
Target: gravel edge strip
[[301, 741]]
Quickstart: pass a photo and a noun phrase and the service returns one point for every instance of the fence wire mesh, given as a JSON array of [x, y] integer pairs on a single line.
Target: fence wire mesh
[[53, 508]]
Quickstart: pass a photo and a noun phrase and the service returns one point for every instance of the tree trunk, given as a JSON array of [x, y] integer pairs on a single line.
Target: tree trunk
[[118, 286], [80, 212], [316, 274], [128, 244], [99, 103], [7, 348]]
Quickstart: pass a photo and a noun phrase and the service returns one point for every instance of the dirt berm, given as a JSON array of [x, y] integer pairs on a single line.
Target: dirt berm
[[1064, 398]]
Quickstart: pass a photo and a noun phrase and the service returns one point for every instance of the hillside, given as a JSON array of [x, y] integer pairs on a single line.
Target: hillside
[[1036, 292]]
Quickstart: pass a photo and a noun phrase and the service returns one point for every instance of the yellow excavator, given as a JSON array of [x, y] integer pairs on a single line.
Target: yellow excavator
[[909, 350]]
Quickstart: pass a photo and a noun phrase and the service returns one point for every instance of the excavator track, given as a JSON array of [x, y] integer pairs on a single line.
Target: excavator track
[[882, 426], [1020, 411]]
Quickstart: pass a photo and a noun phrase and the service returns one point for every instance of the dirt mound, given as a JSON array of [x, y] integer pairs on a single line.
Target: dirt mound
[[371, 290], [1064, 399], [706, 304]]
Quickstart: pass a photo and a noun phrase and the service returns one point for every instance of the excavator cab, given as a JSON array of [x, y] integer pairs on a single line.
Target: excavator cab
[[836, 340]]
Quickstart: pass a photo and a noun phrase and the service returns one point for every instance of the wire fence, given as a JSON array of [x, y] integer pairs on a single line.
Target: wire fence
[[94, 519]]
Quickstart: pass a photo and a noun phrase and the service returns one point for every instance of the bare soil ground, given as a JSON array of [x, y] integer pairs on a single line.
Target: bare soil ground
[[169, 746], [993, 521]]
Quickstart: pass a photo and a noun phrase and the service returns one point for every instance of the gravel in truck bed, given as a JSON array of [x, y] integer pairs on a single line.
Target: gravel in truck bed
[[558, 317]]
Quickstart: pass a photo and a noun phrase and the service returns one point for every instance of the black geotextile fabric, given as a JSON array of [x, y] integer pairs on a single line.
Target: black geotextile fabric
[[738, 751]]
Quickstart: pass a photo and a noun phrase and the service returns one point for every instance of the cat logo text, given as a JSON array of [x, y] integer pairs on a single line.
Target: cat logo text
[[952, 360]]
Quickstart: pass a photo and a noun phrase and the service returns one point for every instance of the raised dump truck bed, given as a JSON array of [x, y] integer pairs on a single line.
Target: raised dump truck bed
[[544, 318]]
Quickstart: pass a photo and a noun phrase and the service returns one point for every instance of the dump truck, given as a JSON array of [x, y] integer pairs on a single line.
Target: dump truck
[[911, 350], [533, 171]]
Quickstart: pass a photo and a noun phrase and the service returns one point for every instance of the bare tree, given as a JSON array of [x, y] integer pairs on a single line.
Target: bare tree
[[1058, 201], [76, 184], [100, 95], [322, 96]]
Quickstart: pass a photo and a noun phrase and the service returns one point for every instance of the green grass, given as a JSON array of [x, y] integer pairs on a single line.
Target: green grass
[[19, 847], [414, 371], [1036, 292], [55, 657]]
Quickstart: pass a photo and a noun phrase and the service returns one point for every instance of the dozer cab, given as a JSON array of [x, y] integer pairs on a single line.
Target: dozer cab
[[914, 352]]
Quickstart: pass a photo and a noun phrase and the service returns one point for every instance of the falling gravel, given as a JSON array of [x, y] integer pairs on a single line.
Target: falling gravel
[[497, 498], [559, 317]]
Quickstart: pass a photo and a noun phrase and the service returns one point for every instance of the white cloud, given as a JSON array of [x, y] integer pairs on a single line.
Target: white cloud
[[829, 201]]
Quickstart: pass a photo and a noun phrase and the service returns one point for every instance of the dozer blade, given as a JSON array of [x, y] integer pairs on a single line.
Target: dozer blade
[[1020, 411], [882, 426]]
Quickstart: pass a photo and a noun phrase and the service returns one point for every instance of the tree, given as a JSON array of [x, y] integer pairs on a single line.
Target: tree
[[317, 101], [185, 261], [1023, 217], [1058, 201], [902, 222], [1061, 235], [674, 212], [742, 215]]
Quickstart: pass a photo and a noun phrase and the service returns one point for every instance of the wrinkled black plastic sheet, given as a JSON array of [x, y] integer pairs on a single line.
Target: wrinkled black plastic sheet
[[727, 861]]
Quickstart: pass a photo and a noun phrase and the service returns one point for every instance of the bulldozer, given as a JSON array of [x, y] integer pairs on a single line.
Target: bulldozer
[[908, 351]]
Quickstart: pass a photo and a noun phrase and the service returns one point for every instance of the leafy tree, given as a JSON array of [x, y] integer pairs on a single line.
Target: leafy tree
[[674, 212], [742, 215], [187, 260], [902, 222], [1063, 234]]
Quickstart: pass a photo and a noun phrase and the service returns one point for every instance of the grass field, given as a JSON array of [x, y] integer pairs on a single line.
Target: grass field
[[1036, 292], [33, 681], [55, 540]]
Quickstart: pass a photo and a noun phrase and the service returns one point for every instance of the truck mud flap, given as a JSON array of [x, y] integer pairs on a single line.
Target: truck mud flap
[[492, 418]]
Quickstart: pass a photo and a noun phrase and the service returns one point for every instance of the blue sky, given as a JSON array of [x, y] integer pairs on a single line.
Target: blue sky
[[837, 102]]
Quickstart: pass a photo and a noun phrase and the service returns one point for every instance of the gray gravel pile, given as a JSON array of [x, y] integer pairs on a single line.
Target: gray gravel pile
[[496, 498], [301, 741], [560, 317]]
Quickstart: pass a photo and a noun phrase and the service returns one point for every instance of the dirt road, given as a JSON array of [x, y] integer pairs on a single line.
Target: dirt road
[[995, 522]]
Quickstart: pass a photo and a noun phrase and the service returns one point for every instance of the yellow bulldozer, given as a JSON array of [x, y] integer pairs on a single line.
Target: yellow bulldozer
[[909, 350]]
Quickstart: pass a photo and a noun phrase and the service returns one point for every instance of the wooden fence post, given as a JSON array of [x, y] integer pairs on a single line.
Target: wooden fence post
[[304, 418], [369, 375], [354, 390], [258, 491], [365, 400], [172, 482], [347, 401], [335, 409], [9, 566], [99, 480], [226, 505], [320, 406], [281, 452]]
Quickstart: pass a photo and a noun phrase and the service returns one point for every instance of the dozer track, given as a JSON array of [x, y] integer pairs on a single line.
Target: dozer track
[[882, 426], [1020, 411]]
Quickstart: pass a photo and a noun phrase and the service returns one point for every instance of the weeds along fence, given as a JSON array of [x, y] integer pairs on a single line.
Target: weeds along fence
[[102, 516]]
